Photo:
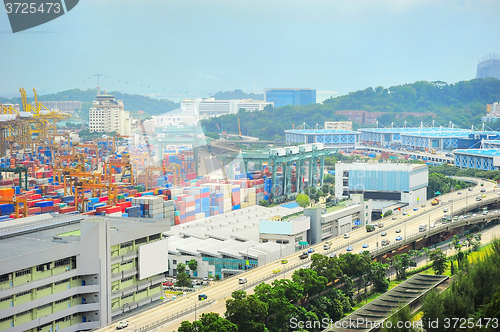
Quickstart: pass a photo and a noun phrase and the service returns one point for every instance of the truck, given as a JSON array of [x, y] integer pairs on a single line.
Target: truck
[[370, 228], [304, 255], [446, 219], [435, 202], [422, 227]]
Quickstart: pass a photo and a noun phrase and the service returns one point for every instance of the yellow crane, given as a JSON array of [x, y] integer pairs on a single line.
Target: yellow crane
[[239, 128]]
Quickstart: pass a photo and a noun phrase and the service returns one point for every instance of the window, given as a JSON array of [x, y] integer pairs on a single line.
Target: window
[[127, 296], [6, 299], [127, 262], [126, 245], [62, 300], [127, 279], [23, 272], [44, 287], [141, 291], [61, 262], [154, 237], [44, 306], [23, 313], [23, 293], [141, 240], [155, 286], [6, 319], [61, 282], [4, 277], [174, 261]]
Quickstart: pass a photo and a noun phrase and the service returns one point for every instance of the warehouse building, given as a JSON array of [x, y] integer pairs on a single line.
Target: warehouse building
[[331, 138], [74, 272], [485, 159], [387, 184]]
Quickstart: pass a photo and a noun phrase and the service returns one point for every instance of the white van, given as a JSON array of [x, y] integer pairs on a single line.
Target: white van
[[347, 235], [242, 280]]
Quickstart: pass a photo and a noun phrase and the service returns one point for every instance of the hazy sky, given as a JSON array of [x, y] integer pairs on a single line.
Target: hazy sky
[[207, 46]]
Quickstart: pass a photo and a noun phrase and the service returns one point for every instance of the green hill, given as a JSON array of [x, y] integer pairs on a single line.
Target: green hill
[[237, 94], [463, 103]]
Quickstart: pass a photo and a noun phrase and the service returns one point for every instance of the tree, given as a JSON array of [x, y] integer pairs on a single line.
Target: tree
[[387, 213], [310, 281], [401, 263], [439, 261], [193, 265], [378, 276], [264, 203], [302, 200], [400, 320], [248, 312], [326, 267], [209, 322], [456, 243], [433, 310], [183, 279]]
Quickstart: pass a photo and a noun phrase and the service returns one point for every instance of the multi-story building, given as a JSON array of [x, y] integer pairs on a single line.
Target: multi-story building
[[338, 125], [489, 66], [283, 97], [386, 183], [108, 115], [212, 107], [74, 272], [338, 219]]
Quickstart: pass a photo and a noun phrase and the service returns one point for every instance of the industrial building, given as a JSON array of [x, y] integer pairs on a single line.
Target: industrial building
[[388, 184], [223, 244], [489, 66], [282, 97], [108, 115], [68, 107], [485, 159], [339, 219], [426, 138], [213, 107], [331, 138], [75, 272]]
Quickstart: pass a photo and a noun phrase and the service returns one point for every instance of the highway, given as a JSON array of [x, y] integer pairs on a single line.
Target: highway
[[220, 291], [438, 156]]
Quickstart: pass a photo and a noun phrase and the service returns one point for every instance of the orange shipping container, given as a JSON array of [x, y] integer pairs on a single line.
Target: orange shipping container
[[6, 192]]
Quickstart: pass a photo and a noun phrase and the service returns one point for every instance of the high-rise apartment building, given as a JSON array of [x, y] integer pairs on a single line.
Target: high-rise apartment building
[[283, 97], [73, 272], [108, 115]]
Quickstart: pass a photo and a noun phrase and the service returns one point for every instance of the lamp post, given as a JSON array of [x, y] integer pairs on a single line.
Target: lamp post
[[248, 256], [135, 326], [194, 305], [40, 318]]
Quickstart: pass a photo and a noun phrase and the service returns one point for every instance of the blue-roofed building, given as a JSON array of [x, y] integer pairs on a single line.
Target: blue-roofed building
[[329, 137], [485, 159], [426, 138]]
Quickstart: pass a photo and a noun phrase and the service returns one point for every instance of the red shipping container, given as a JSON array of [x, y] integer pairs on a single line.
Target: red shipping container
[[90, 213], [102, 208], [47, 209], [34, 210], [103, 199], [113, 209]]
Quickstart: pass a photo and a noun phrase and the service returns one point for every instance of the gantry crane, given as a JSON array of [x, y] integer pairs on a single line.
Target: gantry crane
[[16, 201], [69, 176], [108, 166], [17, 170], [80, 199], [122, 136]]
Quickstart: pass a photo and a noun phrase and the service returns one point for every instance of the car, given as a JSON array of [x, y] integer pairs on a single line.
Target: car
[[474, 215], [383, 234], [461, 217], [399, 238], [361, 252], [202, 297], [205, 278], [284, 261], [394, 218], [450, 200], [398, 230], [385, 242], [121, 325], [366, 245], [210, 279], [445, 210], [470, 189], [485, 212], [380, 225], [311, 250], [498, 193], [333, 255], [459, 193], [349, 248], [484, 196], [275, 271], [404, 213], [423, 205], [483, 190], [305, 266]]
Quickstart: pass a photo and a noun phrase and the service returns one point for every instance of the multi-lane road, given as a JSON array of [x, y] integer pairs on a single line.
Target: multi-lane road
[[220, 291]]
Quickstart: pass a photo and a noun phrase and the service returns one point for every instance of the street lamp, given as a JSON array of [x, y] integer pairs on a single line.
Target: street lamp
[[249, 256], [194, 305], [135, 326], [39, 318]]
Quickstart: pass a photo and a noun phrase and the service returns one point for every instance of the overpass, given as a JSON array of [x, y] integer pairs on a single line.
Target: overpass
[[409, 225], [417, 154]]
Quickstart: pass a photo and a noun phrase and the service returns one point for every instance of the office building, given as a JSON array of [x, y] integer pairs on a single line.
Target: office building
[[108, 115], [74, 272], [387, 184], [212, 107], [489, 66], [283, 97]]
